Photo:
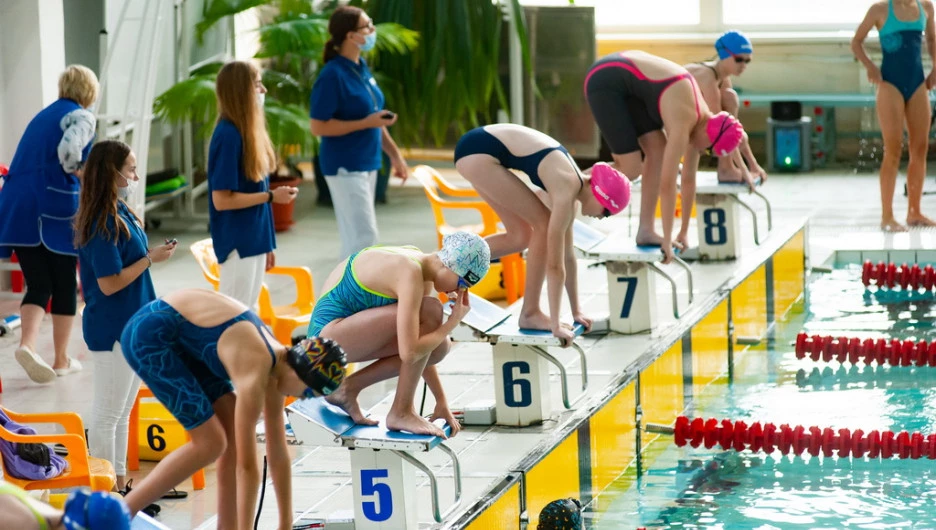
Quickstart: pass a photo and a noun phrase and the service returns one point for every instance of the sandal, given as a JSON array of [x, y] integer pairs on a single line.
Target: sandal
[[151, 510], [175, 494]]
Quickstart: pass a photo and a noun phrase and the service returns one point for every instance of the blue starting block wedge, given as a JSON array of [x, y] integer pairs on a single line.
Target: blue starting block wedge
[[385, 491], [8, 324], [521, 363], [631, 288], [144, 522], [717, 216]]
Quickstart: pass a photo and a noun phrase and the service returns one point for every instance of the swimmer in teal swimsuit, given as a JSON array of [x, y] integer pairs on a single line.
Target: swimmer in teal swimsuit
[[380, 305], [901, 97]]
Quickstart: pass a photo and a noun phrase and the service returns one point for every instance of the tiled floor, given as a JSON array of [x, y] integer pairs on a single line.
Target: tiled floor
[[837, 204]]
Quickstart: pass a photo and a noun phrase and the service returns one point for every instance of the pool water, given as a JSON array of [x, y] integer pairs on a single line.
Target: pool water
[[713, 488]]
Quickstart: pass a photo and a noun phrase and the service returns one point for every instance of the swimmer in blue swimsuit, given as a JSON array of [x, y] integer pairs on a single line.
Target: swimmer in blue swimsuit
[[538, 219], [196, 348], [901, 97], [381, 305]]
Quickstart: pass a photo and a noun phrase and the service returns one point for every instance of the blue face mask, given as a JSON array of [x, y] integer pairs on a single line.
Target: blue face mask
[[370, 40]]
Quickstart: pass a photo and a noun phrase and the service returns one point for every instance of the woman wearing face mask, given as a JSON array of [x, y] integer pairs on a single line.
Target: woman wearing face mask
[[346, 110], [240, 158], [114, 265]]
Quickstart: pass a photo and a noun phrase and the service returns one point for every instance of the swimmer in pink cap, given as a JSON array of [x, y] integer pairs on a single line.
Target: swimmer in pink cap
[[650, 111], [538, 218]]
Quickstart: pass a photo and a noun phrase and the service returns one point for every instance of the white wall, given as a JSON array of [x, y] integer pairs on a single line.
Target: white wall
[[32, 56]]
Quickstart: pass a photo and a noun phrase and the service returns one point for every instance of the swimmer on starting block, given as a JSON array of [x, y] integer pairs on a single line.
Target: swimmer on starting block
[[194, 349], [539, 220], [83, 511], [646, 104], [380, 305]]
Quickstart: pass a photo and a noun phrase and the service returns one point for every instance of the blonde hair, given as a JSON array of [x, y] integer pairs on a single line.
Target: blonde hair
[[80, 84], [237, 102]]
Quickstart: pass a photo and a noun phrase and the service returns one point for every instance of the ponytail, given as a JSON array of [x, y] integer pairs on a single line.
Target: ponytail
[[331, 51]]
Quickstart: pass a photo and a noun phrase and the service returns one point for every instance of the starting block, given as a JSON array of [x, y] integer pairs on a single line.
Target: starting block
[[384, 488], [144, 522], [521, 362], [717, 216], [631, 287]]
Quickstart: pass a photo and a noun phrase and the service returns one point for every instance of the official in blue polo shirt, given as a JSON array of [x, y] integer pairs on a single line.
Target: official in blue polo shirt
[[114, 263], [240, 158], [347, 112]]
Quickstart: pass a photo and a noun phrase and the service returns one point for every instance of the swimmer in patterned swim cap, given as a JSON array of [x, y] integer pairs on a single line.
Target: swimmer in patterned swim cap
[[381, 305], [562, 514], [540, 219], [216, 366], [650, 111]]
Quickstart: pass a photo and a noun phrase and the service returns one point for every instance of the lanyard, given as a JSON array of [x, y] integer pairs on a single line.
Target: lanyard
[[367, 86]]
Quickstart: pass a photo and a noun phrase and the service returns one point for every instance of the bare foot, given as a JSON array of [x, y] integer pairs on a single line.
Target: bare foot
[[649, 237], [919, 220], [730, 174], [537, 320], [412, 422], [348, 403], [891, 225]]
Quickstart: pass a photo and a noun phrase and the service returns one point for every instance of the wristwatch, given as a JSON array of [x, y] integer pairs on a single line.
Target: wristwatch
[[270, 198], [149, 259]]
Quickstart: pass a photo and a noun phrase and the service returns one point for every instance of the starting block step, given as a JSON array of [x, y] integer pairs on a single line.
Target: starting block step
[[144, 522], [631, 287], [717, 215], [384, 488], [521, 362]]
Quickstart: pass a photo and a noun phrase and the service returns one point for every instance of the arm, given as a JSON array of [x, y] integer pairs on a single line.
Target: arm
[[690, 167], [409, 289], [278, 455], [930, 42], [116, 282], [397, 161], [857, 44], [677, 141], [560, 219], [235, 200], [250, 388], [336, 127]]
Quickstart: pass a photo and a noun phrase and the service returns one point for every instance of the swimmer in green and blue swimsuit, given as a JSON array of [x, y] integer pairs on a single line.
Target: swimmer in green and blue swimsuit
[[380, 305]]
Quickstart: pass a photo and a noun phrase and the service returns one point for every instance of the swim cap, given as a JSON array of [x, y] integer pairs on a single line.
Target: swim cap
[[725, 133], [610, 187], [320, 364], [562, 514], [99, 510], [733, 43], [467, 255]]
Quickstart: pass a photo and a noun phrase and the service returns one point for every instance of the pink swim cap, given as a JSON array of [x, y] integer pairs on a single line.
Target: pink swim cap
[[610, 187], [725, 133]]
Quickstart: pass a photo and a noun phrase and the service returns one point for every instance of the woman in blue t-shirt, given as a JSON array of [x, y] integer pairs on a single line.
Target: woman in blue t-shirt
[[240, 158], [346, 110], [114, 265]]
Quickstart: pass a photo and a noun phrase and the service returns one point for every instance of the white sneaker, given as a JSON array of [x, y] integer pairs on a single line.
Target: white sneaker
[[73, 366], [35, 367]]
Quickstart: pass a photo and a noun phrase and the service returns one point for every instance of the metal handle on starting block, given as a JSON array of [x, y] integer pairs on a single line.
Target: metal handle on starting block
[[769, 213], [563, 376], [753, 216], [437, 514]]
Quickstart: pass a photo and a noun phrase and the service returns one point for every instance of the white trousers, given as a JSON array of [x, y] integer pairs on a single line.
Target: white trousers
[[352, 195], [242, 278], [115, 391]]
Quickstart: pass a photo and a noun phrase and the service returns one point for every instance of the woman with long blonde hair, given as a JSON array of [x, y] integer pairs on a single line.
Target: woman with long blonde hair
[[240, 158]]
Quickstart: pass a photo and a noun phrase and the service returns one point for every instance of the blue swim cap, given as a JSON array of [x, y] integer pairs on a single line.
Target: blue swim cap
[[467, 255], [733, 43]]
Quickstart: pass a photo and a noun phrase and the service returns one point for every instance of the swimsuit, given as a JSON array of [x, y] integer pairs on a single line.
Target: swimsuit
[[179, 360], [901, 46], [9, 489], [479, 141], [350, 296], [625, 103]]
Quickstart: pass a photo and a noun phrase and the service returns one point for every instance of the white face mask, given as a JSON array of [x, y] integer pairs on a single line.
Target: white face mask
[[125, 192], [261, 98]]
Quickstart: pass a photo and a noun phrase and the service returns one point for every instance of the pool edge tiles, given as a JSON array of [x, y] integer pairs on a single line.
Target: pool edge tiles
[[682, 359]]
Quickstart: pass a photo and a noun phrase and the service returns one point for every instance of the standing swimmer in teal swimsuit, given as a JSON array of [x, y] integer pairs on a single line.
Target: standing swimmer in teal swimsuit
[[380, 305], [901, 97]]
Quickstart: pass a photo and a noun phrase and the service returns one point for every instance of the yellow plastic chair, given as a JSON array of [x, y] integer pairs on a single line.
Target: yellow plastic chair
[[82, 469], [514, 268], [281, 319]]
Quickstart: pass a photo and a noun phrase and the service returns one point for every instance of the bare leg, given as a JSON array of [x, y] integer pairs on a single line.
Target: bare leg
[[918, 128], [36, 368], [652, 144], [61, 332], [227, 463], [208, 443], [890, 110], [30, 322]]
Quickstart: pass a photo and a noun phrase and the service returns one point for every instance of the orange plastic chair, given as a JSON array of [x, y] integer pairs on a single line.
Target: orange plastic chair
[[82, 470], [281, 319], [433, 183], [133, 441]]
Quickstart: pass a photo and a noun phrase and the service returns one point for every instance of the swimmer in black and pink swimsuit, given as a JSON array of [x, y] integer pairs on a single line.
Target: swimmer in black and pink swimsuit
[[635, 97]]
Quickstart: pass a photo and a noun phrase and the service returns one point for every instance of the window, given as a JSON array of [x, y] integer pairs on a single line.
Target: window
[[837, 13], [610, 14]]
